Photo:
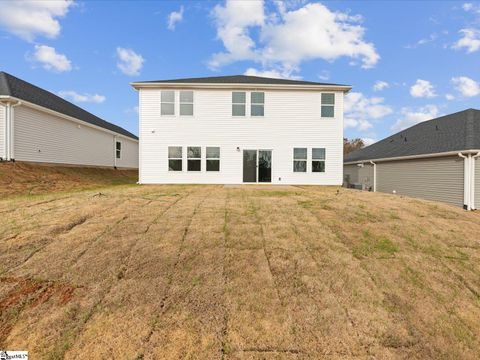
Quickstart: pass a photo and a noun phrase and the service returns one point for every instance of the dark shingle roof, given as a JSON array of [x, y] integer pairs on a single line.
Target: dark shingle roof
[[454, 132], [240, 79], [20, 89]]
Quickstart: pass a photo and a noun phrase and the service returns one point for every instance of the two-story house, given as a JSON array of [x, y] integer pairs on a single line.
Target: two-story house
[[240, 129]]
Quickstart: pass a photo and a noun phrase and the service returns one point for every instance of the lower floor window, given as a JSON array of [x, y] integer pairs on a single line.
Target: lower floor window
[[318, 160], [213, 159], [194, 158], [174, 158], [300, 160]]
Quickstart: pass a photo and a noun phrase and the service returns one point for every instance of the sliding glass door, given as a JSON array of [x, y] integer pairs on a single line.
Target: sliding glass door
[[257, 166]]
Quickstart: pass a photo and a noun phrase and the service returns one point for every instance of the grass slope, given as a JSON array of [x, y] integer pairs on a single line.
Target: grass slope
[[238, 273], [30, 179]]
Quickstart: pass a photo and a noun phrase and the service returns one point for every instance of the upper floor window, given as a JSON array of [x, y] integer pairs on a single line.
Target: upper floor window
[[238, 103], [257, 103], [186, 103], [194, 158], [328, 105], [167, 102], [174, 158], [213, 159], [318, 160], [300, 160], [118, 149]]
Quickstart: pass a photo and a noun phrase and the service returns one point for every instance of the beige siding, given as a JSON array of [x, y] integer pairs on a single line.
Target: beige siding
[[477, 183], [129, 157], [360, 175], [292, 119], [350, 174], [438, 179], [2, 131], [42, 137]]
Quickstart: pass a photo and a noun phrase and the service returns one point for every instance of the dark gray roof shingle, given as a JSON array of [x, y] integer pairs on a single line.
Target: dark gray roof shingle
[[454, 132], [20, 89], [239, 79]]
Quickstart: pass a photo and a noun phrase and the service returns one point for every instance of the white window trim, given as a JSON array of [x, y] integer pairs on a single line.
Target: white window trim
[[245, 104], [324, 160], [180, 158], [306, 159], [200, 158], [180, 103], [168, 102], [252, 103], [121, 149], [334, 105], [219, 159]]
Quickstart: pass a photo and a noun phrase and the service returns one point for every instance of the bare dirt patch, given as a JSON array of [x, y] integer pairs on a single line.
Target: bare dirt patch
[[217, 272]]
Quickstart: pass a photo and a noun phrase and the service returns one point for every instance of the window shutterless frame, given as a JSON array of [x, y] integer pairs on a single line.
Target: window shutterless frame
[[186, 107], [118, 149], [167, 102], [194, 158], [300, 158], [318, 160], [328, 105], [175, 158], [257, 103], [239, 103], [212, 158]]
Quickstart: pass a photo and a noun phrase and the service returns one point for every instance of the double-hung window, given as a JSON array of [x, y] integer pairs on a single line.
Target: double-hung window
[[300, 160], [257, 103], [238, 103], [118, 149], [167, 103], [174, 158], [328, 105], [186, 103], [194, 158], [318, 160], [213, 159]]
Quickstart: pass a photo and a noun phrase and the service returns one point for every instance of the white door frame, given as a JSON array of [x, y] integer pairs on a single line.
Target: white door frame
[[256, 166]]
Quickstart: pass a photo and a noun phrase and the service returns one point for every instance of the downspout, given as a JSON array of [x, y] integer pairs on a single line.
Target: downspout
[[472, 180], [7, 132], [114, 151], [466, 181], [12, 130], [374, 176]]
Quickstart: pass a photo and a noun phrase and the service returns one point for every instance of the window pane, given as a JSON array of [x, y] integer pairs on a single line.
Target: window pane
[[238, 97], [213, 165], [174, 151], [257, 110], [194, 165], [318, 153], [258, 97], [168, 109], [238, 110], [186, 109], [318, 166], [213, 152], [328, 99], [327, 111], [186, 96], [194, 152], [168, 96], [119, 145], [299, 166], [300, 153], [174, 165], [118, 154]]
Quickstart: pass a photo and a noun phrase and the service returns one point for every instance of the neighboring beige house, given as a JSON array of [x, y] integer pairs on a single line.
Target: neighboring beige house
[[240, 129], [38, 126], [435, 160]]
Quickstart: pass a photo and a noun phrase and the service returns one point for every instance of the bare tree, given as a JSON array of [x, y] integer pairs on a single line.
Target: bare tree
[[350, 145]]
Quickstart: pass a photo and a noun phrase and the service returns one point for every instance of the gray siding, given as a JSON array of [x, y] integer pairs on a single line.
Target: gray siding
[[477, 183], [2, 131], [438, 179], [359, 175]]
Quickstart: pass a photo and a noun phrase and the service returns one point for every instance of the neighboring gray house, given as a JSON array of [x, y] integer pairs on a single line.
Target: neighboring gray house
[[38, 126], [435, 160]]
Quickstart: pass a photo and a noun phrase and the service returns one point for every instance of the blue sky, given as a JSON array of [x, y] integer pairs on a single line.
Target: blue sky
[[423, 57]]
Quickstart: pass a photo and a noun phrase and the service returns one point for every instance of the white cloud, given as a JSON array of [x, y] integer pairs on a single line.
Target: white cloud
[[449, 97], [360, 110], [272, 73], [30, 18], [422, 88], [130, 63], [324, 75], [50, 59], [79, 98], [466, 86], [289, 37], [369, 141], [411, 117], [380, 85], [173, 18], [470, 40]]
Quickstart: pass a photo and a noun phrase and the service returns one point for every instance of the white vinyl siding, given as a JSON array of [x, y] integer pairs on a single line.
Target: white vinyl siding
[[2, 131], [292, 119], [438, 179], [477, 183], [43, 137]]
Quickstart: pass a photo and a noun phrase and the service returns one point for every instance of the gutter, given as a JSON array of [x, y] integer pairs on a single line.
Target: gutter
[[374, 176]]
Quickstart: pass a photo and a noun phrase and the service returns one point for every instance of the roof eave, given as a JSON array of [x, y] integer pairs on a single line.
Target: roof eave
[[418, 156], [150, 85]]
